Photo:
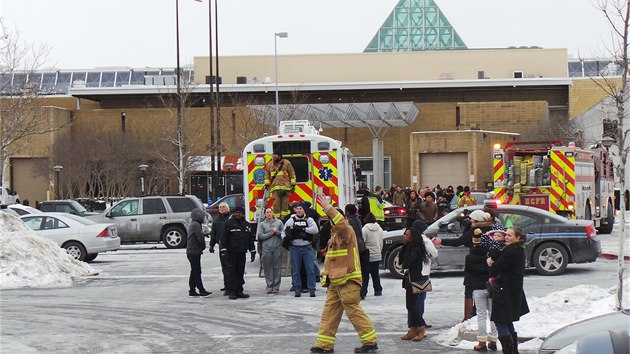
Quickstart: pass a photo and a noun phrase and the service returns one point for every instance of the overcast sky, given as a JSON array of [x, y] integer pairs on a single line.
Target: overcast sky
[[137, 33]]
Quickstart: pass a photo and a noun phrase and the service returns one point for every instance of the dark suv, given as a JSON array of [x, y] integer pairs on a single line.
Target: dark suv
[[152, 218], [64, 206]]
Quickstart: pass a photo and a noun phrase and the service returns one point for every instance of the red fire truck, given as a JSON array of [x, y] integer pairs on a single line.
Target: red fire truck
[[563, 179]]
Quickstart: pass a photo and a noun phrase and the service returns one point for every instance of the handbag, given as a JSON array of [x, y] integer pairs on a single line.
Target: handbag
[[421, 287]]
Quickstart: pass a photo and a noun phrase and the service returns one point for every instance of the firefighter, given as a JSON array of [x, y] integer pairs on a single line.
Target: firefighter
[[342, 276], [280, 181]]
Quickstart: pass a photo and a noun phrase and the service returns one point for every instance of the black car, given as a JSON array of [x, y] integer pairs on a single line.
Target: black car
[[395, 216], [552, 241]]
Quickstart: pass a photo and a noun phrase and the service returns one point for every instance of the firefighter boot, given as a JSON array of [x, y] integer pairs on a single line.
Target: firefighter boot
[[411, 333]]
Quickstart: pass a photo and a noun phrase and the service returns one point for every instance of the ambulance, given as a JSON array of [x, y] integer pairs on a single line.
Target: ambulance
[[322, 167], [563, 179]]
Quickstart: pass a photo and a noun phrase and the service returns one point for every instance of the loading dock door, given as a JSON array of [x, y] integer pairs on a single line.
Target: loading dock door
[[444, 169]]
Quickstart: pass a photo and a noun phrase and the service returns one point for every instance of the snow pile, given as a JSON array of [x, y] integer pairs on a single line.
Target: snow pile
[[548, 313], [27, 260]]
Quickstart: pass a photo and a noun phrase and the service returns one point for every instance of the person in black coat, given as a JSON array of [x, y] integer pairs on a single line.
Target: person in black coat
[[475, 277], [236, 239], [195, 245], [508, 297], [364, 253]]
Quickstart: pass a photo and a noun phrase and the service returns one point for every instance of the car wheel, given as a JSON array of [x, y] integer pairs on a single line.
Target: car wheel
[[392, 264], [610, 219], [90, 257], [551, 259], [76, 250], [174, 237]]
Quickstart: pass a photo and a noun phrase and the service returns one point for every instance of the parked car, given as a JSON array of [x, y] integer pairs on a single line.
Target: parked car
[[152, 218], [395, 216], [83, 239], [233, 200], [552, 241], [64, 206], [6, 209], [8, 197], [604, 334], [23, 209]]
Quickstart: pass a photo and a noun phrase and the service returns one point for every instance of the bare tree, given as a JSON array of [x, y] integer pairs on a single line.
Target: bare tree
[[21, 117], [175, 141], [617, 13]]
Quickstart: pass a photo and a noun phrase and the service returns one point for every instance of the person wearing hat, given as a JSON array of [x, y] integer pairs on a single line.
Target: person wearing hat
[[479, 219], [494, 241], [475, 277], [236, 239], [301, 229], [280, 181], [467, 199]]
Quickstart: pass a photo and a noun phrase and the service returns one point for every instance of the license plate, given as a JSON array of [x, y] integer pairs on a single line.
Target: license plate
[[398, 220]]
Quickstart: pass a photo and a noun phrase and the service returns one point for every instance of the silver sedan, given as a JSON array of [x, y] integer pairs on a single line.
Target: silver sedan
[[83, 239]]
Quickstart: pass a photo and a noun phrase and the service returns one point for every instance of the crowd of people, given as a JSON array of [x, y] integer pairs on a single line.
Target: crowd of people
[[349, 243]]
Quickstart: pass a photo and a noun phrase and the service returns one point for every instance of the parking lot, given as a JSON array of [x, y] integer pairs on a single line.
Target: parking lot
[[138, 303]]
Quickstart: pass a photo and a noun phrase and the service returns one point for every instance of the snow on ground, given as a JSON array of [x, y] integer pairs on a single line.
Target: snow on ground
[[549, 313], [28, 260]]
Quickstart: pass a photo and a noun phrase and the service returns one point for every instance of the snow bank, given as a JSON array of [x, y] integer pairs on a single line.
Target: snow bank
[[27, 260], [546, 314]]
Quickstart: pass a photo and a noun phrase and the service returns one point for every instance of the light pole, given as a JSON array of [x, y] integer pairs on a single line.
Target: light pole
[[275, 50], [608, 141], [57, 169], [142, 168]]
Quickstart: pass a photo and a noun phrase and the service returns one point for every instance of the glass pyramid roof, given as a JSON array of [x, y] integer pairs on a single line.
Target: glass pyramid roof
[[415, 25]]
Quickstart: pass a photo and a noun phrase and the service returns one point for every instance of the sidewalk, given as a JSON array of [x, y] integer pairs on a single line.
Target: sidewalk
[[610, 243]]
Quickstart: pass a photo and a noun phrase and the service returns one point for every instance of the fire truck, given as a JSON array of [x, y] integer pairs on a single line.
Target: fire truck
[[322, 167], [569, 181]]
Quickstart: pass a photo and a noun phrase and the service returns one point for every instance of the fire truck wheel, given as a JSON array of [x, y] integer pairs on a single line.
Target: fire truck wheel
[[551, 258], [392, 263], [610, 220]]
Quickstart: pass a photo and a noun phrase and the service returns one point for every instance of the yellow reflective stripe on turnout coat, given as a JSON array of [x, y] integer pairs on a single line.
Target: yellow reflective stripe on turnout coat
[[342, 262]]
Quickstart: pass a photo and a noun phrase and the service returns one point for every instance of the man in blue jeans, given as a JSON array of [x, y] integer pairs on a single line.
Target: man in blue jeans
[[301, 228]]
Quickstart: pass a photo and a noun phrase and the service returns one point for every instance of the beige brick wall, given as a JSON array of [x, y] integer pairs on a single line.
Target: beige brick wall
[[585, 93]]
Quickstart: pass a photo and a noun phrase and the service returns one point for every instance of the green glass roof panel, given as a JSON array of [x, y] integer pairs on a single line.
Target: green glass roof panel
[[415, 25]]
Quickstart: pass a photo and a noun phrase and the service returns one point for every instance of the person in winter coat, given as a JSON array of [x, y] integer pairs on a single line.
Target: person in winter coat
[[215, 235], [478, 220], [195, 245], [280, 181], [413, 207], [508, 297], [443, 205], [428, 209], [476, 277], [399, 197], [373, 236], [236, 239], [494, 241], [466, 199], [413, 254], [342, 276], [269, 232], [364, 254]]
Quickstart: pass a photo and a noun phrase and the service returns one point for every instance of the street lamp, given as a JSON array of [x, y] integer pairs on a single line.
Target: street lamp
[[275, 49], [57, 169], [142, 168]]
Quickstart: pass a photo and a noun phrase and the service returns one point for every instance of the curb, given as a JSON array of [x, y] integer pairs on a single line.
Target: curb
[[613, 256], [472, 336]]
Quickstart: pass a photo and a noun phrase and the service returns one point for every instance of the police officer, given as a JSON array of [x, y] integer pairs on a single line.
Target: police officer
[[236, 239], [301, 229]]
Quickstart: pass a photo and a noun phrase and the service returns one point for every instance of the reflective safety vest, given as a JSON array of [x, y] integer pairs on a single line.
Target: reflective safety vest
[[377, 208]]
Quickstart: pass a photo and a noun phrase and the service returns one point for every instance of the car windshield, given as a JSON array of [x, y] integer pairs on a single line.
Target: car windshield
[[448, 218], [79, 208]]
